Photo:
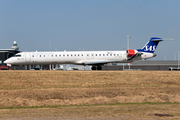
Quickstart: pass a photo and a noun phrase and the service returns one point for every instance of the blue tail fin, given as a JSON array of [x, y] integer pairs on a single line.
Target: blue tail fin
[[151, 45]]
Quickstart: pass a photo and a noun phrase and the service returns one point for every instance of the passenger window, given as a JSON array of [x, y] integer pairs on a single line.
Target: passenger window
[[64, 55], [39, 55], [32, 55], [52, 55], [82, 55], [67, 55], [99, 54]]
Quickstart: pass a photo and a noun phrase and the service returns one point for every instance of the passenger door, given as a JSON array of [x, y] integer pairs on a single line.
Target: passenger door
[[28, 57]]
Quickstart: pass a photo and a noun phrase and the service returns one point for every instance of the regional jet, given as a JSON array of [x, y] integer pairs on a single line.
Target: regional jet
[[94, 58]]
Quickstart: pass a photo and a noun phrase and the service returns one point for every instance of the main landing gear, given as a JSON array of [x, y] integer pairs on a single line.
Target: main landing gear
[[96, 67]]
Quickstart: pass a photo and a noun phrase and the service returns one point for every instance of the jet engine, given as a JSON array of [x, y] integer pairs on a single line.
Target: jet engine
[[131, 52]]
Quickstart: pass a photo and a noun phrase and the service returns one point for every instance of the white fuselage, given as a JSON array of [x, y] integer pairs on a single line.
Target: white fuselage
[[73, 57]]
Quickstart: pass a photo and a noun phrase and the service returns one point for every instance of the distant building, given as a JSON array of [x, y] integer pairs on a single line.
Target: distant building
[[15, 47], [7, 53], [144, 65]]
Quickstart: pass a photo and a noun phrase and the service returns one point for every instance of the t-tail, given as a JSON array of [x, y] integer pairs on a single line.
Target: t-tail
[[146, 52], [151, 45]]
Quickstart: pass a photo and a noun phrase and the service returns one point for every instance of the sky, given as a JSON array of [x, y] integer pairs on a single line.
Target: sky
[[71, 25]]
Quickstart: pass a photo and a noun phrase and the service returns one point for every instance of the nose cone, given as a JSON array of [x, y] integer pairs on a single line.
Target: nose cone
[[8, 61]]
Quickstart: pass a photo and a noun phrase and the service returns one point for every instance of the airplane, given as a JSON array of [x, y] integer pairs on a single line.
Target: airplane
[[94, 58]]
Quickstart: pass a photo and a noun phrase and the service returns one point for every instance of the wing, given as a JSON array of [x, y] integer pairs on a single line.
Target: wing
[[100, 62]]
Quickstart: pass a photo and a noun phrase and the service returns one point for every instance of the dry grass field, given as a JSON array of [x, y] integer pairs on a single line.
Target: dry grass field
[[89, 94]]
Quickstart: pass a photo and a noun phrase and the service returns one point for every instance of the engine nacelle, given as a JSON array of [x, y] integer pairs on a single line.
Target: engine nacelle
[[131, 52]]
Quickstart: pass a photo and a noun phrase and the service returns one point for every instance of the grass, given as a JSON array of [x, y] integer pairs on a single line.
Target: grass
[[70, 79], [117, 92], [123, 111], [145, 103]]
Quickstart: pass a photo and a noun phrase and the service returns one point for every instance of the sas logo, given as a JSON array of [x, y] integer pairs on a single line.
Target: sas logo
[[110, 52], [20, 58], [150, 48]]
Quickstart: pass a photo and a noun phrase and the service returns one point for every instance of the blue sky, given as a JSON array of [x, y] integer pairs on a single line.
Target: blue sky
[[96, 24]]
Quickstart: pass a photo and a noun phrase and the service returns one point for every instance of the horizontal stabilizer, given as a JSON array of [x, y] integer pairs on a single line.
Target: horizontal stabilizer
[[157, 40]]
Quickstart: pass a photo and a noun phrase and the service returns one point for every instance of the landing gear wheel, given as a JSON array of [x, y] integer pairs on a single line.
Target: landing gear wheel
[[93, 68], [99, 68]]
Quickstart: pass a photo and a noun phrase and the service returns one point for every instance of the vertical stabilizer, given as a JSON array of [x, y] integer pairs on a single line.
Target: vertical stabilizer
[[151, 45]]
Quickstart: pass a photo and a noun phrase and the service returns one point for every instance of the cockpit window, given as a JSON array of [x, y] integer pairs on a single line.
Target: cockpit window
[[17, 56]]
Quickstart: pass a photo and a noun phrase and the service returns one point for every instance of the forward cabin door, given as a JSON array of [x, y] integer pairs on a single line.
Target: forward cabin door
[[28, 57]]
